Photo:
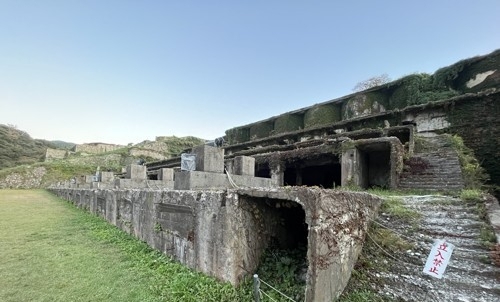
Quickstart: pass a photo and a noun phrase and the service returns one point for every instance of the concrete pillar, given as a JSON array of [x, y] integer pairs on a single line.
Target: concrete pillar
[[209, 159], [166, 174], [298, 177], [350, 168], [107, 177], [136, 172], [244, 165], [278, 175]]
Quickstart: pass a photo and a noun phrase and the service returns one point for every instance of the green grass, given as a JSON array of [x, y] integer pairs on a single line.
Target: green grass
[[471, 195], [51, 251], [362, 296], [394, 207], [365, 283]]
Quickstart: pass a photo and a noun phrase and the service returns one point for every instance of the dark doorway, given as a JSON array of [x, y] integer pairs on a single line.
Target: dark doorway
[[262, 170], [274, 224], [403, 134], [375, 165], [323, 172]]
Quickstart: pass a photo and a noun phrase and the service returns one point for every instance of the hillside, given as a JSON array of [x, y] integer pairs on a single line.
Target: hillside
[[18, 148], [22, 158], [62, 144]]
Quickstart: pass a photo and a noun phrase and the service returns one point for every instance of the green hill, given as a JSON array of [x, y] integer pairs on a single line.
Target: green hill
[[18, 148], [22, 158], [62, 144]]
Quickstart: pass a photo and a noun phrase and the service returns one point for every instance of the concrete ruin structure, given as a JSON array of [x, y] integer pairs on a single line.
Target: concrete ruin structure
[[223, 233], [95, 148], [55, 154], [276, 180]]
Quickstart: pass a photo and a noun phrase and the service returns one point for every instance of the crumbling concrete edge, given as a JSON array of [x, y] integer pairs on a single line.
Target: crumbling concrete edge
[[493, 211]]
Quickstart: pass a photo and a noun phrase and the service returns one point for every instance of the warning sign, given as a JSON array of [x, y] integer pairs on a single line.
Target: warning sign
[[438, 258]]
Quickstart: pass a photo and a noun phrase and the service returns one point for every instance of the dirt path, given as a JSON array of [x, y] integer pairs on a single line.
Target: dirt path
[[470, 275]]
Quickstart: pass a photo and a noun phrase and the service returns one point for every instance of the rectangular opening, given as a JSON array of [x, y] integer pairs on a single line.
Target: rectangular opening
[[324, 171], [276, 238], [375, 165], [262, 170]]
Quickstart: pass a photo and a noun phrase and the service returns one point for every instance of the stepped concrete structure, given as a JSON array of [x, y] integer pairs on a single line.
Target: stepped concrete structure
[[434, 169], [221, 215], [223, 232], [470, 275]]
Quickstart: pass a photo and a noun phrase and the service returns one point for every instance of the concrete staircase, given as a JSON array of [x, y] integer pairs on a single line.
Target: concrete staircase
[[434, 167], [470, 275]]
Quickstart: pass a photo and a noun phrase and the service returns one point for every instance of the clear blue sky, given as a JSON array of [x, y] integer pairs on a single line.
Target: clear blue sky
[[126, 71]]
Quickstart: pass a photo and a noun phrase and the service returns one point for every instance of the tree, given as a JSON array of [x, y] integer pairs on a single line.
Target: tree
[[372, 82]]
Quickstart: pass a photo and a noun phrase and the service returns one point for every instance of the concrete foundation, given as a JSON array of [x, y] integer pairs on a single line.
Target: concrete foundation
[[196, 180], [224, 233], [142, 184]]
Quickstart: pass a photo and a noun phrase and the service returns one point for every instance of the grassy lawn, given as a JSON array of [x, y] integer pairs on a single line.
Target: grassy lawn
[[52, 251]]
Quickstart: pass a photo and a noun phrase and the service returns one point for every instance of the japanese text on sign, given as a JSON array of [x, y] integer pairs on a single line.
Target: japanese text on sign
[[438, 258]]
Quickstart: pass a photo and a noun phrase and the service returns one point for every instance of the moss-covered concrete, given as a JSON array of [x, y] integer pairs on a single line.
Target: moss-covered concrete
[[319, 115], [364, 104], [261, 130], [477, 122], [288, 122], [237, 135]]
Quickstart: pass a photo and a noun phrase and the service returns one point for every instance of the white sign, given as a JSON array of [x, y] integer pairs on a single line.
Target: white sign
[[438, 258]]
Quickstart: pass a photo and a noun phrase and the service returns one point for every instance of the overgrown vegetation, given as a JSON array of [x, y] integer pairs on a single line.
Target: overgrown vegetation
[[286, 271], [471, 195], [287, 123], [394, 207], [320, 115], [475, 176], [176, 145], [375, 257], [487, 234], [18, 148], [20, 155], [372, 82], [416, 89]]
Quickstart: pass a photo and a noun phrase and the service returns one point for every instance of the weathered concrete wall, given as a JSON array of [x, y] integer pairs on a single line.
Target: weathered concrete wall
[[54, 154], [337, 222], [183, 224], [372, 162], [95, 148], [194, 180], [224, 233], [467, 76], [477, 121]]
